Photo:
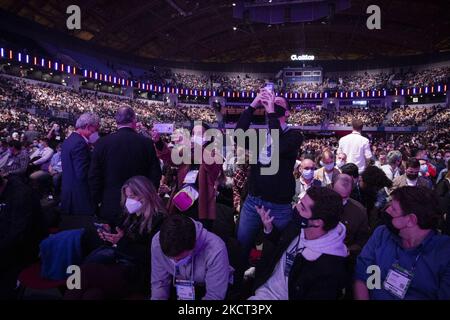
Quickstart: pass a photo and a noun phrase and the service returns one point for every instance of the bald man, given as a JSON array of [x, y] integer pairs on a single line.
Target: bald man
[[306, 180]]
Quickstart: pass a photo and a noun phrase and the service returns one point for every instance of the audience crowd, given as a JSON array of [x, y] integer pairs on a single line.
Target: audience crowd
[[102, 190]]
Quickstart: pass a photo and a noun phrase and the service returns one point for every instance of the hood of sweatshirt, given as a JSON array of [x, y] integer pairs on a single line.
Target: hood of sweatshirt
[[331, 243]]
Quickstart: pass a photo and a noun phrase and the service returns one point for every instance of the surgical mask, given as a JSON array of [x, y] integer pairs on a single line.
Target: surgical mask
[[446, 160], [340, 163], [40, 146], [93, 138], [133, 205], [328, 167], [438, 157], [308, 174]]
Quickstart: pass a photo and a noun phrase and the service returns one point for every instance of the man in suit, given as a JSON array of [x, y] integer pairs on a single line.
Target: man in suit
[[411, 176], [328, 172], [75, 159], [354, 216], [118, 157]]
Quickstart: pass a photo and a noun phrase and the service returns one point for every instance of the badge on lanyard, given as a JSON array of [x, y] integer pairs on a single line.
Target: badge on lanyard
[[185, 289], [398, 281], [290, 258]]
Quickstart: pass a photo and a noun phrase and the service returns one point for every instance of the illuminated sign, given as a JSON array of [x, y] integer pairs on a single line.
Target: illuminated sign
[[303, 57]]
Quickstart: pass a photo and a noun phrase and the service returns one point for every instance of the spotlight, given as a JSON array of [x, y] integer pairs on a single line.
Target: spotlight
[[234, 4], [234, 28]]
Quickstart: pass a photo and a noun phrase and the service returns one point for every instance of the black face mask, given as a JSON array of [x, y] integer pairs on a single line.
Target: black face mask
[[387, 220], [412, 176], [280, 111], [304, 222]]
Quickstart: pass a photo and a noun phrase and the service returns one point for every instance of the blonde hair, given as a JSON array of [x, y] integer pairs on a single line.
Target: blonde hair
[[143, 189]]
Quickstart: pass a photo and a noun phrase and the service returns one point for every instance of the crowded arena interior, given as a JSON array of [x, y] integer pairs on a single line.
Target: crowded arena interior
[[224, 150]]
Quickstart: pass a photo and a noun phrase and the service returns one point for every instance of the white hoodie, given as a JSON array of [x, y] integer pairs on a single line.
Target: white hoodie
[[332, 243]]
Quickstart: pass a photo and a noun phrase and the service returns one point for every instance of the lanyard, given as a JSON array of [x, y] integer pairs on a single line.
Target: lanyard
[[295, 250], [415, 260], [177, 271]]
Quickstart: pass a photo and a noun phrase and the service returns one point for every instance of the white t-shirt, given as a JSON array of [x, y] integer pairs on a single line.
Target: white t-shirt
[[357, 149]]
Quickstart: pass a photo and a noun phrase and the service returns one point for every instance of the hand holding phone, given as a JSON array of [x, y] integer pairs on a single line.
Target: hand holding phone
[[101, 227]]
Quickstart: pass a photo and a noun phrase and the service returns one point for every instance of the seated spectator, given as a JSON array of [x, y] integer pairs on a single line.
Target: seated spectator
[[40, 159], [31, 134], [326, 174], [414, 259], [191, 259], [20, 231], [306, 179], [444, 171], [392, 168], [341, 159], [122, 252], [306, 260], [55, 135], [352, 170], [373, 195], [427, 169], [17, 162], [382, 159], [411, 176], [354, 216], [55, 169]]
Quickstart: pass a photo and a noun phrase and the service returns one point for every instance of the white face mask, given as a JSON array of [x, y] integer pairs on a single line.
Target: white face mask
[[328, 167], [93, 138], [339, 163], [133, 205], [308, 174]]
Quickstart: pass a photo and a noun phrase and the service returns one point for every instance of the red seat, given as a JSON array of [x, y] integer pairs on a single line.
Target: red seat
[[255, 256], [53, 230], [31, 278]]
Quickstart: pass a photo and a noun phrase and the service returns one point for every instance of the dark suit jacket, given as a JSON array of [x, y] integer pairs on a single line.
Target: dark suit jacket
[[75, 158], [116, 158], [356, 221]]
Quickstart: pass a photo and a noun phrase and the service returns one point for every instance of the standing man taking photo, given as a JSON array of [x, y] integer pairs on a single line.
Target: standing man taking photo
[[275, 191]]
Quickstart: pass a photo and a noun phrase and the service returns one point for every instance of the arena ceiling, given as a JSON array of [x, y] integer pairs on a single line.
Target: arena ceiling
[[205, 31]]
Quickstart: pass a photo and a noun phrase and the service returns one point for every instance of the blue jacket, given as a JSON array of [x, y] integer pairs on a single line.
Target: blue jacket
[[75, 157], [58, 252]]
